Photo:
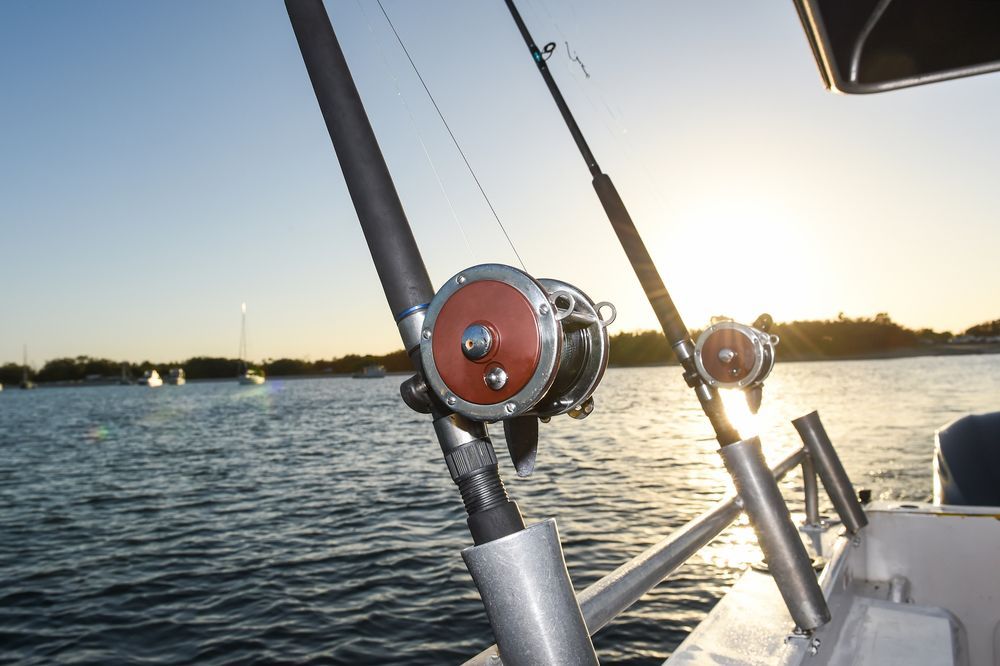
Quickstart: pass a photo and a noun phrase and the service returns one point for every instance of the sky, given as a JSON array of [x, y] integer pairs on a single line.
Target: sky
[[163, 162]]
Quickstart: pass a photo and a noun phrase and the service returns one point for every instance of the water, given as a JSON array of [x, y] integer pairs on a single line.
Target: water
[[313, 521]]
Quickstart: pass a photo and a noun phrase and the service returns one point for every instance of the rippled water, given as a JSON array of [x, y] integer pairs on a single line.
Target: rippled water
[[313, 521]]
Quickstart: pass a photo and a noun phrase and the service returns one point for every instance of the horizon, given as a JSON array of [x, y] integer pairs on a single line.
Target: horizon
[[166, 163], [309, 359]]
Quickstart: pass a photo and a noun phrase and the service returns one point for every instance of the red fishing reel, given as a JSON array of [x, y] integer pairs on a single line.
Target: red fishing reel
[[733, 355], [498, 344]]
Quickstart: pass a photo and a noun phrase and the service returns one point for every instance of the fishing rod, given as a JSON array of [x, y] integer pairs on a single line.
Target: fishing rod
[[492, 344], [727, 354]]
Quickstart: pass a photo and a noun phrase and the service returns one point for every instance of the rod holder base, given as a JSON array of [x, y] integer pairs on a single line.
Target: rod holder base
[[529, 598]]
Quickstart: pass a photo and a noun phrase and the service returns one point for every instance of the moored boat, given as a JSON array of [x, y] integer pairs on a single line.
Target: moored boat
[[176, 377], [26, 382], [150, 378], [245, 374], [251, 377], [370, 371]]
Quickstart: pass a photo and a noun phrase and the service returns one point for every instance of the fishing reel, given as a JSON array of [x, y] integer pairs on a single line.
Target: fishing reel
[[499, 345], [729, 354]]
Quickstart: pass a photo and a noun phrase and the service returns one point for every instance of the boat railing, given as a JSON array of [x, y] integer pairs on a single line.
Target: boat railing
[[606, 598]]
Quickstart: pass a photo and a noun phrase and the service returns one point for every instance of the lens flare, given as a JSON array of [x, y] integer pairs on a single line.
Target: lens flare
[[739, 412]]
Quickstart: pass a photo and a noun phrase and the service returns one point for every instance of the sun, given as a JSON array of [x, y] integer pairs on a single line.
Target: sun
[[745, 256]]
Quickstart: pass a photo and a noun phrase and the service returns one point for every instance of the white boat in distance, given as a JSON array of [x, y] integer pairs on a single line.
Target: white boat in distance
[[370, 371], [246, 374], [150, 378], [176, 377], [251, 376]]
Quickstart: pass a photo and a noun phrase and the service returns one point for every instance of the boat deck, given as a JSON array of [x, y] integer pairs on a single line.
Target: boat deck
[[899, 594]]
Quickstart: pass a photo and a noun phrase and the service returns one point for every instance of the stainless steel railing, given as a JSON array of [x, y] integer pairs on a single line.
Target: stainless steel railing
[[604, 600]]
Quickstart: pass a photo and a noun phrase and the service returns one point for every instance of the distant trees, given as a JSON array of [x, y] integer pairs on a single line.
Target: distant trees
[[843, 337], [642, 348], [986, 329], [209, 367], [10, 374], [77, 369]]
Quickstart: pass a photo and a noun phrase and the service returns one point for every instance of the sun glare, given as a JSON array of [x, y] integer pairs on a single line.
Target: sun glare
[[750, 257], [739, 412]]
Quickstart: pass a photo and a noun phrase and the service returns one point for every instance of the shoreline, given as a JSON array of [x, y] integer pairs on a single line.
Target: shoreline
[[946, 349]]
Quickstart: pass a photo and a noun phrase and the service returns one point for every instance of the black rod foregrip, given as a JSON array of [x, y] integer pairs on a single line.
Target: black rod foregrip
[[390, 239]]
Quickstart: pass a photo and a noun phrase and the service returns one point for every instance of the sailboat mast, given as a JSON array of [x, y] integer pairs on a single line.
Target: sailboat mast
[[635, 249], [243, 332]]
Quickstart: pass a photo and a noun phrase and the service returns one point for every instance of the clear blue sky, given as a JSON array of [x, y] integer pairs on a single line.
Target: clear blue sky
[[161, 162]]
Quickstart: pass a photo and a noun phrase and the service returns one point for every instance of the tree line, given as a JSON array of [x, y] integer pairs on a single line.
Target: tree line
[[843, 337]]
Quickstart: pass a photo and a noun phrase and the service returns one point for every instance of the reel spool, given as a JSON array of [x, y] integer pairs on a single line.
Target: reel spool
[[497, 344], [733, 355]]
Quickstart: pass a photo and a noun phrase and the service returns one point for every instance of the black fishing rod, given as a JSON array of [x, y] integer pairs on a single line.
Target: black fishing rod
[[407, 286], [635, 249], [726, 355], [493, 344]]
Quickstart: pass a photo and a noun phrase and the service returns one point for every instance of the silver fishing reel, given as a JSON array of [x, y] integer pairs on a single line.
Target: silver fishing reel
[[497, 344], [733, 355]]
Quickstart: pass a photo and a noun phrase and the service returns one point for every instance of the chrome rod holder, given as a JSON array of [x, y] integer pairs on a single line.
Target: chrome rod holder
[[529, 598], [810, 487], [831, 471], [786, 556]]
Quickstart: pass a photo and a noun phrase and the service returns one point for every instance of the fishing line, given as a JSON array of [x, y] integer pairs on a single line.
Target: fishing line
[[620, 131], [452, 135], [416, 128]]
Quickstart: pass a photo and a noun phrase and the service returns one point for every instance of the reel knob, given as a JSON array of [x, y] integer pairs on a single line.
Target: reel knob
[[733, 355]]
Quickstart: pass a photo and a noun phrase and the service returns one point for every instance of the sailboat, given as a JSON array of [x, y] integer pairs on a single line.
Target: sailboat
[[490, 345], [26, 382], [246, 374]]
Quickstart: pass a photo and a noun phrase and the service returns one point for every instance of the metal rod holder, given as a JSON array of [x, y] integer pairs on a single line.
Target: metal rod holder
[[831, 471], [783, 549], [529, 598], [810, 487]]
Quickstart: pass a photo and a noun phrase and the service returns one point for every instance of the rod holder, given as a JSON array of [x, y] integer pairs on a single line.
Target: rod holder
[[529, 598], [810, 488], [831, 471], [783, 549]]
